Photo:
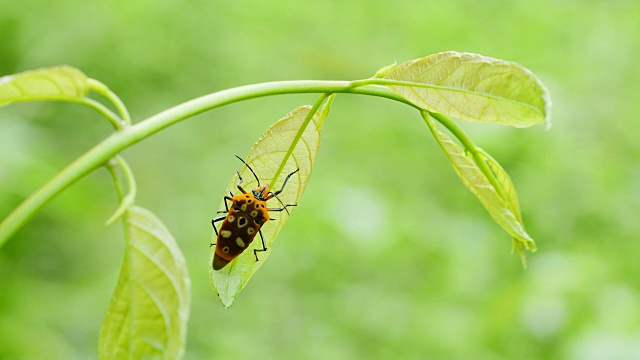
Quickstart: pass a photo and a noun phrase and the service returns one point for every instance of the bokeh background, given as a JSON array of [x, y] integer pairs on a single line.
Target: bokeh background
[[388, 254]]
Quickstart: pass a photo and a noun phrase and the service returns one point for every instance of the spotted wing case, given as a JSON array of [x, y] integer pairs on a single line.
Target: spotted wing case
[[246, 216]]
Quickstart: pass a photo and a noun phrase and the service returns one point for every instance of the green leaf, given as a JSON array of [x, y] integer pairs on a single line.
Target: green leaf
[[148, 313], [510, 197], [55, 83], [506, 185], [502, 204], [474, 88], [276, 149]]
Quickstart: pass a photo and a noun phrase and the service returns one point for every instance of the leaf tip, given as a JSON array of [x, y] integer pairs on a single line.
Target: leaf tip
[[522, 246], [523, 257]]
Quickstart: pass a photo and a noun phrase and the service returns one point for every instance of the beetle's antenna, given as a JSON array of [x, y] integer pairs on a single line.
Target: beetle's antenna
[[254, 174]]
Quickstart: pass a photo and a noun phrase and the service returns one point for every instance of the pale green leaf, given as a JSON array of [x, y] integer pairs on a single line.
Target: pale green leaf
[[474, 88], [266, 156], [510, 197], [55, 83], [504, 211], [148, 313], [504, 181]]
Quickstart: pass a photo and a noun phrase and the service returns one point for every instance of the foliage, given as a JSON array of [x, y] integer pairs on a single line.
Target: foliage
[[417, 270], [148, 312], [290, 144]]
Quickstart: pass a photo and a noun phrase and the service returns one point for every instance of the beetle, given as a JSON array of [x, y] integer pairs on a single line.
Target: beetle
[[244, 219]]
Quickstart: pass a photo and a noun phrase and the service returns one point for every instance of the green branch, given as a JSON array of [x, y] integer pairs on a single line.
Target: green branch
[[126, 201], [129, 135], [103, 90], [101, 109]]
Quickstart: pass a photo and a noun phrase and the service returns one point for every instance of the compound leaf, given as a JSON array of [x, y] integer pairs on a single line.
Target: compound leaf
[[54, 83], [148, 313], [286, 146], [474, 88], [501, 204]]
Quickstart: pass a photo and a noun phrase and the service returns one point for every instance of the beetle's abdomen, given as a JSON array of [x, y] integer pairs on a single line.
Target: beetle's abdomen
[[238, 230]]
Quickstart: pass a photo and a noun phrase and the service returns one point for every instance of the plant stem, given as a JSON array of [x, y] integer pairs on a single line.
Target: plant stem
[[102, 110], [471, 148], [112, 167], [305, 123], [102, 89], [126, 201], [130, 135]]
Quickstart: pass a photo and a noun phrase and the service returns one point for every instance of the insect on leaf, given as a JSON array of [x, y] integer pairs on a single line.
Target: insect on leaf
[[148, 313], [55, 83], [504, 211], [282, 149], [474, 88]]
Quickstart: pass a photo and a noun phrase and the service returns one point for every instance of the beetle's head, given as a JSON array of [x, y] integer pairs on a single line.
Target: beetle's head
[[261, 192]]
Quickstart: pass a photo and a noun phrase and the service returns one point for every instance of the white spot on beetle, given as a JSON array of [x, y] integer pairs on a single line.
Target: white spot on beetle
[[225, 249], [240, 242], [254, 213], [231, 218], [225, 233], [250, 231], [242, 221], [243, 207]]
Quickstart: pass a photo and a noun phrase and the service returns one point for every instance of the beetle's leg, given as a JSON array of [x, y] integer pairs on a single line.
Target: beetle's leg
[[264, 247], [213, 223], [284, 183], [283, 208], [226, 198]]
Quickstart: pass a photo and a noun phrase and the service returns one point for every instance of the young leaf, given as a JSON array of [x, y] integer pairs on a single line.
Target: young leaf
[[148, 313], [283, 148], [504, 211], [474, 88], [509, 196], [55, 83], [504, 181]]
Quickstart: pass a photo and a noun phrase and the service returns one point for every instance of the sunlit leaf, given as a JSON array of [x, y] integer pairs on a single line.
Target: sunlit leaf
[[474, 88], [266, 156], [504, 211], [148, 313], [509, 195], [502, 178], [55, 83]]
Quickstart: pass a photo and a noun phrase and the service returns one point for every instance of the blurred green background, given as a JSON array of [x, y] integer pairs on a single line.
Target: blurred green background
[[388, 254]]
